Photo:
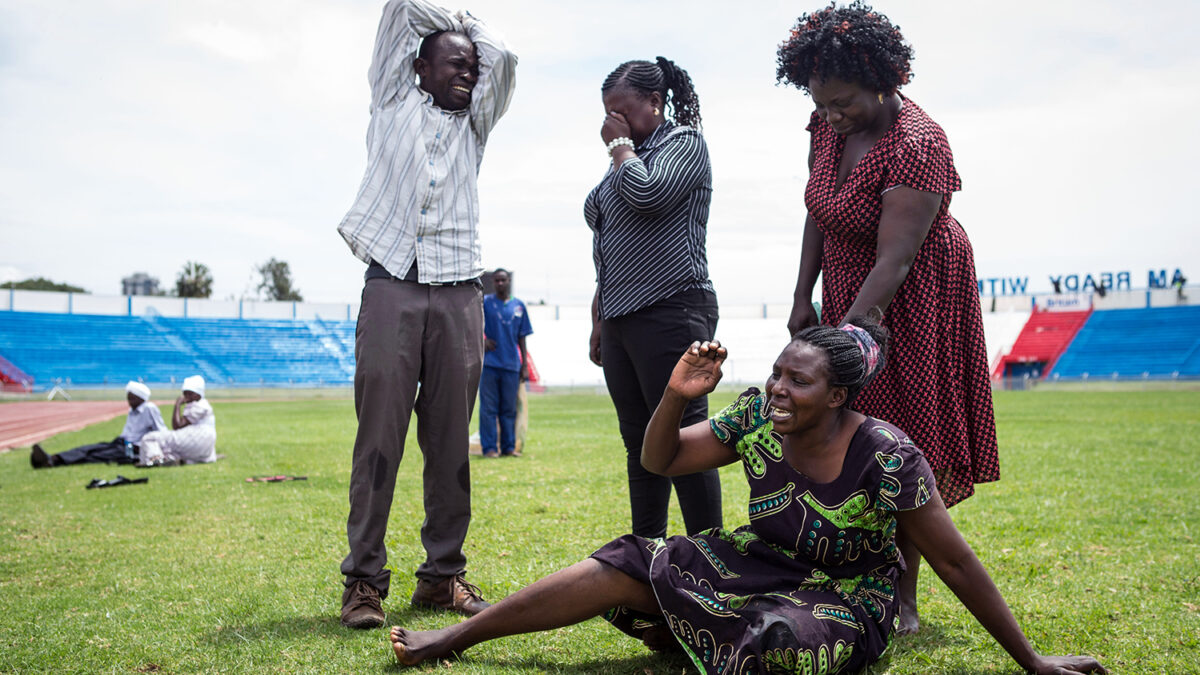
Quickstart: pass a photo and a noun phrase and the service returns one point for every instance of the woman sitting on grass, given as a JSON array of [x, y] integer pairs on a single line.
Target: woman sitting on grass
[[193, 434], [810, 584]]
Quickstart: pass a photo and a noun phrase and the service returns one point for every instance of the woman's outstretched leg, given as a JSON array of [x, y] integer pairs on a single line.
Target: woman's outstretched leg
[[583, 590]]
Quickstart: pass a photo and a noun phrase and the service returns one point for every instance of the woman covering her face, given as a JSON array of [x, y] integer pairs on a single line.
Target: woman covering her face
[[880, 234], [653, 297]]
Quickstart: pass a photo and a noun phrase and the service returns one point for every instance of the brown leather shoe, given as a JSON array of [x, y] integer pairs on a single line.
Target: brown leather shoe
[[452, 594], [361, 607]]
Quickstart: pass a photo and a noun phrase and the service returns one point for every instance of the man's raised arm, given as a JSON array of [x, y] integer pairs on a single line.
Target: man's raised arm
[[403, 25], [497, 74]]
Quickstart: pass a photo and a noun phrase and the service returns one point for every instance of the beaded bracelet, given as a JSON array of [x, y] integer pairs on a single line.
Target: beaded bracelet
[[621, 140]]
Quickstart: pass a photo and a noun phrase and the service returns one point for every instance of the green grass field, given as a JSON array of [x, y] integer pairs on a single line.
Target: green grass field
[[1091, 535]]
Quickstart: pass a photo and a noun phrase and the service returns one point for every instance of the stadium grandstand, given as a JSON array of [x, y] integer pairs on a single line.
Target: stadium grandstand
[[1159, 342], [83, 341]]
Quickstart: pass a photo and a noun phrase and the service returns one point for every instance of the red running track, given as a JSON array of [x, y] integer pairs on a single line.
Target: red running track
[[26, 423]]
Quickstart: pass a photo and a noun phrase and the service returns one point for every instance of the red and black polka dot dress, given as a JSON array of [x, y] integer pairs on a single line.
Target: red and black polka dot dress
[[935, 385]]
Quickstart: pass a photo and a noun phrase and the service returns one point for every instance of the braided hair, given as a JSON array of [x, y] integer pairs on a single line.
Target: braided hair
[[846, 366], [663, 76], [854, 44]]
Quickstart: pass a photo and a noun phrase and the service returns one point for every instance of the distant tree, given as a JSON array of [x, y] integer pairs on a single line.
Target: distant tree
[[194, 281], [41, 284], [276, 281]]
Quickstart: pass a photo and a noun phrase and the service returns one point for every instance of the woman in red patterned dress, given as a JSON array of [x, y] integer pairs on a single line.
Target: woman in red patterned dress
[[880, 232]]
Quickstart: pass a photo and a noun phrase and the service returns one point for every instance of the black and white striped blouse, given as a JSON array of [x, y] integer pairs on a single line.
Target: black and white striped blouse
[[648, 221]]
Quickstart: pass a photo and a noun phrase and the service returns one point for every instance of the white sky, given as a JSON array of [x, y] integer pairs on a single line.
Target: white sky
[[136, 135]]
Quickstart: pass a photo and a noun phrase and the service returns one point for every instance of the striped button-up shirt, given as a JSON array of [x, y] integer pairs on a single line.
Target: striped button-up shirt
[[419, 199], [648, 221]]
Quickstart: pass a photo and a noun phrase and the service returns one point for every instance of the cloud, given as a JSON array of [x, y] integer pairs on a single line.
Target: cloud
[[146, 134], [233, 43], [10, 273]]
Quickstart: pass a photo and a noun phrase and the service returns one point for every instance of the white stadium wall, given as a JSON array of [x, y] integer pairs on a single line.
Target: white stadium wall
[[1000, 331]]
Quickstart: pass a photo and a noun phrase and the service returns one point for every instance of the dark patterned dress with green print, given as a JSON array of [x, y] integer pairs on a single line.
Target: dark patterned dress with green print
[[809, 585]]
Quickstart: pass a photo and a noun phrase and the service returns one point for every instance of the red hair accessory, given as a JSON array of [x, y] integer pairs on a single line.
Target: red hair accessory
[[867, 345]]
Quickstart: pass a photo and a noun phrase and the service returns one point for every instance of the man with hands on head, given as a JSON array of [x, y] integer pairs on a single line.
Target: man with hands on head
[[439, 83]]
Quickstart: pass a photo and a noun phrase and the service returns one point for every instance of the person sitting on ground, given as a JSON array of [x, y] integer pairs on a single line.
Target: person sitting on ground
[[143, 418], [193, 438], [810, 583]]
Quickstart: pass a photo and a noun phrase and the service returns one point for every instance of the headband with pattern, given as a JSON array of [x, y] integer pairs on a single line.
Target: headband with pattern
[[867, 345]]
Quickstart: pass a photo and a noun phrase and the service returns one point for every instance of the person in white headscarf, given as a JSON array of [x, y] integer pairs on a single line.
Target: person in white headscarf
[[193, 438], [144, 418]]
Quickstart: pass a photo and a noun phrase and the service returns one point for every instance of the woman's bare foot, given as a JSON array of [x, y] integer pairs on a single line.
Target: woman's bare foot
[[659, 639], [412, 647], [910, 621]]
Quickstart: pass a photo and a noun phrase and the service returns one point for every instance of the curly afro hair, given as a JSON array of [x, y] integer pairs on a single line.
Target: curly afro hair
[[855, 44]]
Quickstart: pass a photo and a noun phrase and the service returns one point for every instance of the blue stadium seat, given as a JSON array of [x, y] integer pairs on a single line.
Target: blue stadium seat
[[1132, 343], [96, 350]]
